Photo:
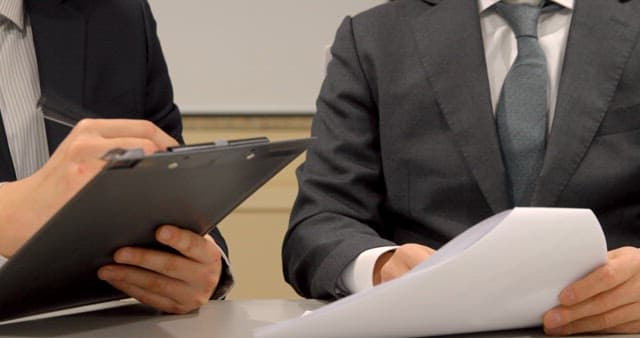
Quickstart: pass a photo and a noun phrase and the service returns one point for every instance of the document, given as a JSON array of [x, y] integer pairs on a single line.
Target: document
[[503, 273], [74, 310]]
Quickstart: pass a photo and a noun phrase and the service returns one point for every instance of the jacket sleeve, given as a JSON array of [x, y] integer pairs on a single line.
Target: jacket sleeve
[[336, 215], [159, 106]]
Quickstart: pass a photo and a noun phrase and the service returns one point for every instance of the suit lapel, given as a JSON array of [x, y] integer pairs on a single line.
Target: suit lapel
[[600, 40], [59, 37], [450, 44]]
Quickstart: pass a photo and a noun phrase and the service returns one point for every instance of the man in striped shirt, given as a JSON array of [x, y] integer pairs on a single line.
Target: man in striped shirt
[[105, 57]]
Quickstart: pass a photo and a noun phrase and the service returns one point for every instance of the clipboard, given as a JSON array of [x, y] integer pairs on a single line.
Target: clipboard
[[193, 187]]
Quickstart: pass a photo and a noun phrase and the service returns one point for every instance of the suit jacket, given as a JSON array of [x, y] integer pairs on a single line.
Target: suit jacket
[[407, 148], [104, 56]]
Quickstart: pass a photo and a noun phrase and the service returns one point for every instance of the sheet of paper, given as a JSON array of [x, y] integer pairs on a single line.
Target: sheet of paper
[[75, 310], [503, 273]]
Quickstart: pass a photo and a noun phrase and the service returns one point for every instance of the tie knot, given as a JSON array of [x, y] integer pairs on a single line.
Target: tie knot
[[523, 19]]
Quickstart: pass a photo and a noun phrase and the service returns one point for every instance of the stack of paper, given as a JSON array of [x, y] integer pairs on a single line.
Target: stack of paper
[[503, 273]]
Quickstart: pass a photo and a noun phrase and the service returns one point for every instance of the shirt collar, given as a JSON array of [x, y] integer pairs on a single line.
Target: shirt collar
[[14, 11], [483, 5]]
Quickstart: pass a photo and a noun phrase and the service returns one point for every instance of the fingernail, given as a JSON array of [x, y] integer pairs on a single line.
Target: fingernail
[[123, 256], [554, 319], [106, 273], [567, 296], [165, 234]]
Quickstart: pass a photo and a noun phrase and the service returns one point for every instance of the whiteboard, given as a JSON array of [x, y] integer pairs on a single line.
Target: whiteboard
[[251, 56]]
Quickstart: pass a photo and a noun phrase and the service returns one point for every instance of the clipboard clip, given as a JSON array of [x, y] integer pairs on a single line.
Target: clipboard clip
[[119, 154], [118, 158], [217, 144]]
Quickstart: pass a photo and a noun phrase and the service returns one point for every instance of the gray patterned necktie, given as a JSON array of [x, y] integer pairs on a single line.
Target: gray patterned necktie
[[521, 114]]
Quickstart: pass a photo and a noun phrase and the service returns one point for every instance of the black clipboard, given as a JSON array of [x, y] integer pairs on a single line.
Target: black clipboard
[[193, 186]]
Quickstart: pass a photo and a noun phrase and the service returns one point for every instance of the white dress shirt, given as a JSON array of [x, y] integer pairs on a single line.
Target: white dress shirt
[[500, 49], [20, 90]]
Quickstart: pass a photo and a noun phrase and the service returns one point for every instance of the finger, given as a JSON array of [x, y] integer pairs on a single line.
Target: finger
[[627, 328], [157, 301], [151, 282], [599, 304], [116, 128], [601, 323], [91, 148], [147, 146], [416, 254], [175, 266], [189, 244], [619, 252], [618, 270]]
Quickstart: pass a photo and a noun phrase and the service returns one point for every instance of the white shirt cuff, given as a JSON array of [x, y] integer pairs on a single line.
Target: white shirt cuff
[[226, 277], [358, 276]]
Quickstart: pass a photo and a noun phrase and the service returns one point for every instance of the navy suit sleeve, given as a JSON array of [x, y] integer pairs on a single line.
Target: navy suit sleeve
[[159, 105]]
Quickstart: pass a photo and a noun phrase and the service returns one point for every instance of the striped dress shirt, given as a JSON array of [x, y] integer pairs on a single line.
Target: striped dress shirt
[[20, 90]]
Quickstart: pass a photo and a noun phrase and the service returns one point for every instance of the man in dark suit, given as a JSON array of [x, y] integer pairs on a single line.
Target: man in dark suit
[[105, 57], [409, 153]]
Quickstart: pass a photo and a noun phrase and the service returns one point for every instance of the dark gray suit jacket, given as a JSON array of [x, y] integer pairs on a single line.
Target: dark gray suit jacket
[[407, 149]]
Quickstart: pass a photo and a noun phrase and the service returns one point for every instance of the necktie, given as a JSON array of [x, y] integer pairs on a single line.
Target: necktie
[[521, 114]]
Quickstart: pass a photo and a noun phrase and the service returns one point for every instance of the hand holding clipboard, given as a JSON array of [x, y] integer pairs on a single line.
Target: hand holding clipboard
[[90, 210]]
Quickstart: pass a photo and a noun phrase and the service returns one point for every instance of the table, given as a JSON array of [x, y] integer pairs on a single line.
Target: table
[[217, 319]]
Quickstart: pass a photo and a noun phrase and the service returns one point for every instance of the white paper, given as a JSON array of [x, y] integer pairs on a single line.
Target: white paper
[[503, 273], [75, 310]]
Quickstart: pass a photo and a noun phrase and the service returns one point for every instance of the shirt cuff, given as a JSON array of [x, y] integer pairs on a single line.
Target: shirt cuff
[[358, 276], [226, 282]]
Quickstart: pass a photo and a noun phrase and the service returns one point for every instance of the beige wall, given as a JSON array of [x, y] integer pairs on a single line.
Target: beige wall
[[254, 231], [249, 56]]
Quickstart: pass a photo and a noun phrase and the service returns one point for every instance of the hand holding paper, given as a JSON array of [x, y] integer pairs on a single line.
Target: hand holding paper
[[605, 301], [503, 273], [393, 264]]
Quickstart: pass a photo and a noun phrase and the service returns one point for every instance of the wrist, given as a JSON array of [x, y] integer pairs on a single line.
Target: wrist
[[19, 211], [377, 268], [7, 217]]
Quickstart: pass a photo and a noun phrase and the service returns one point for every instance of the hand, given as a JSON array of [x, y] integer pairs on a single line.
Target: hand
[[25, 205], [605, 301], [394, 264], [166, 281]]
